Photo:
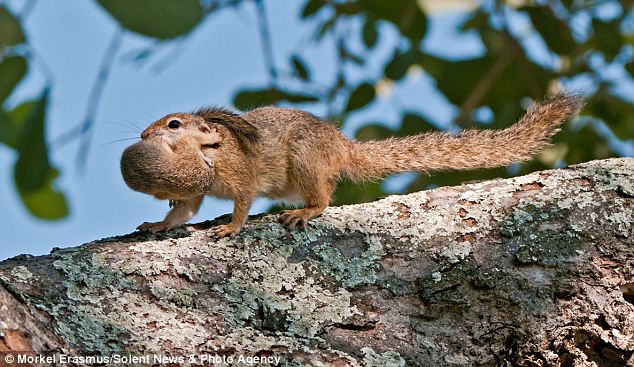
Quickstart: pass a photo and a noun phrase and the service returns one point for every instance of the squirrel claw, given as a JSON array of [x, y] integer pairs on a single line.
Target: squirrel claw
[[291, 220], [153, 227], [224, 230]]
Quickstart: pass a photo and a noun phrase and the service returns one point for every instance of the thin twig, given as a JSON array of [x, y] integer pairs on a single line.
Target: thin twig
[[95, 96], [171, 56], [26, 9], [267, 47], [340, 81], [44, 67]]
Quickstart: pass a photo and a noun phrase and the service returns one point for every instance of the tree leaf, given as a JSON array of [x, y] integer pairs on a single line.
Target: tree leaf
[[32, 168], [553, 30], [248, 99], [10, 30], [11, 122], [360, 97], [630, 68], [370, 34], [407, 16], [413, 124], [298, 98], [478, 19], [300, 67], [615, 112], [397, 67], [607, 38], [12, 70], [162, 19], [373, 131], [311, 7], [350, 193], [46, 202]]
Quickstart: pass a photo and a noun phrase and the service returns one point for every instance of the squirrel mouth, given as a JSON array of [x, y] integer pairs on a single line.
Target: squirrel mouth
[[161, 138]]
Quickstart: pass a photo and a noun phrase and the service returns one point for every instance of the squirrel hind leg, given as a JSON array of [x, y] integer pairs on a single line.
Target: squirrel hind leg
[[317, 196]]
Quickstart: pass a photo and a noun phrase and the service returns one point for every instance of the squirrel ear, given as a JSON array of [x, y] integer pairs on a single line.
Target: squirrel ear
[[204, 128], [245, 132]]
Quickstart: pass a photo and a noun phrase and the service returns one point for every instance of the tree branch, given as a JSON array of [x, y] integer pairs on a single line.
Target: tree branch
[[529, 271]]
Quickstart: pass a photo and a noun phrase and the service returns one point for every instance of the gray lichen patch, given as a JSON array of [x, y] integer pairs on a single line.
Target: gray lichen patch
[[622, 221], [21, 274], [386, 359], [349, 267], [456, 252], [181, 297]]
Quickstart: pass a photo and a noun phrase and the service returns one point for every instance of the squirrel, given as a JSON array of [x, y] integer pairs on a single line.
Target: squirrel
[[291, 155]]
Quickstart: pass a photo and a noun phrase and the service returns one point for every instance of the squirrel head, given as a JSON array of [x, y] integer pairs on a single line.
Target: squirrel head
[[170, 128], [180, 153], [210, 126]]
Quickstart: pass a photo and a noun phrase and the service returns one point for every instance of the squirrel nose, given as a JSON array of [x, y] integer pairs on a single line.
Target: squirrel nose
[[150, 134]]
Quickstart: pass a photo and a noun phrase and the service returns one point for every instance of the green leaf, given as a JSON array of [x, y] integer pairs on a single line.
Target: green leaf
[[311, 7], [32, 168], [360, 97], [46, 202], [10, 30], [407, 16], [478, 19], [617, 113], [607, 38], [583, 144], [248, 99], [553, 30], [630, 68], [373, 132], [300, 67], [351, 193], [370, 34], [298, 98], [11, 122], [162, 19], [12, 70], [397, 67], [413, 124]]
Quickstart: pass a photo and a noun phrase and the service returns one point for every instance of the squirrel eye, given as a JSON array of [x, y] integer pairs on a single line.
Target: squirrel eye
[[174, 124]]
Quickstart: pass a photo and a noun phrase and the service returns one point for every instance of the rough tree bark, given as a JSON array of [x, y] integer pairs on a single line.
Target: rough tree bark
[[529, 271]]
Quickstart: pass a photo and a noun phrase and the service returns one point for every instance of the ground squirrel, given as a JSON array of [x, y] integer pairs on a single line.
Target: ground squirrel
[[291, 155]]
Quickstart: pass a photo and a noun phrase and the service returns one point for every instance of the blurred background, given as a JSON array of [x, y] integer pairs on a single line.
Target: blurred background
[[79, 80]]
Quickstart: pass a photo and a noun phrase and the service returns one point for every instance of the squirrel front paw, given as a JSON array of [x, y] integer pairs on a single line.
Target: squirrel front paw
[[154, 227], [225, 230]]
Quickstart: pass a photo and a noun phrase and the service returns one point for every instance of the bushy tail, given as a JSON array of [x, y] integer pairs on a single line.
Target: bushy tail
[[467, 150]]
